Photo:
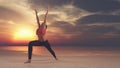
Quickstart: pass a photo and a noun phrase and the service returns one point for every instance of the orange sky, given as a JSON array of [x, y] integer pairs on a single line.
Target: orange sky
[[68, 22], [18, 22]]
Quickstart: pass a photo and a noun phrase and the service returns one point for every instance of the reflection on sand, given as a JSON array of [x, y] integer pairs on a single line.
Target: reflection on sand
[[66, 51], [23, 49]]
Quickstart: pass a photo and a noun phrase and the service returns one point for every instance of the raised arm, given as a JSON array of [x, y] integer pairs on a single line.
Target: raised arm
[[45, 17], [37, 18]]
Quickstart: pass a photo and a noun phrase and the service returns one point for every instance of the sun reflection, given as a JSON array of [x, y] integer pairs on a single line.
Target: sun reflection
[[36, 49]]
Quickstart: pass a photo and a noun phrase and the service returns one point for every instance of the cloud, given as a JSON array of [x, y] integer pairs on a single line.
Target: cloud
[[65, 26], [100, 18], [90, 31], [45, 3], [89, 5], [100, 24], [98, 5], [9, 14], [102, 29], [116, 12]]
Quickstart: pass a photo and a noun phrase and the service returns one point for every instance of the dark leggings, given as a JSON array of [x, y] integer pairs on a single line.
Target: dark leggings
[[38, 43]]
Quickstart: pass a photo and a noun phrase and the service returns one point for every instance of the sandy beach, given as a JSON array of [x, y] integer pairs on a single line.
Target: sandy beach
[[16, 59]]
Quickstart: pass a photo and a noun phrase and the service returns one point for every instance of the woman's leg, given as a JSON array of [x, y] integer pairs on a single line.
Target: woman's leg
[[47, 45], [30, 49]]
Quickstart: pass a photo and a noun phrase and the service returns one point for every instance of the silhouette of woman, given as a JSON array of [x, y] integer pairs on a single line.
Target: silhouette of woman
[[40, 32]]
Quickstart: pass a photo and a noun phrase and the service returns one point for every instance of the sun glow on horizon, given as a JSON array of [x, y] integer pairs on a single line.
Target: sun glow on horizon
[[23, 35]]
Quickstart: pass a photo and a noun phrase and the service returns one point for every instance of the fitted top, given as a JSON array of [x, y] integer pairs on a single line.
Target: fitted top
[[41, 30]]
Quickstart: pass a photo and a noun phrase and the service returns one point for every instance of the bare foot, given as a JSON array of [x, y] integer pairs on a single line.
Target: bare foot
[[28, 61], [56, 58]]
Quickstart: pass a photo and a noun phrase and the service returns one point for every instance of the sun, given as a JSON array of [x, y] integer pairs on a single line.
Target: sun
[[23, 35]]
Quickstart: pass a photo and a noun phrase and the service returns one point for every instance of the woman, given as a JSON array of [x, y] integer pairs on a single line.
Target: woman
[[40, 32]]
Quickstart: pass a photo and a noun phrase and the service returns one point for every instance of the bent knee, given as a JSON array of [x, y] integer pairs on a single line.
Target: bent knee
[[31, 43]]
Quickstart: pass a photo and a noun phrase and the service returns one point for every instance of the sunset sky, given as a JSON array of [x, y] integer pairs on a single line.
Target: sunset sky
[[70, 22]]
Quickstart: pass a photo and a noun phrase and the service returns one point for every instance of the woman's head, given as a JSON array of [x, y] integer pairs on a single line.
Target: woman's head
[[43, 24]]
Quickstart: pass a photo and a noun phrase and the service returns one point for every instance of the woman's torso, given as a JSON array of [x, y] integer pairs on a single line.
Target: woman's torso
[[40, 32]]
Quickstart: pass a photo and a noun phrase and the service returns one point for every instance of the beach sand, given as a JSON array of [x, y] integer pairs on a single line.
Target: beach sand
[[16, 59]]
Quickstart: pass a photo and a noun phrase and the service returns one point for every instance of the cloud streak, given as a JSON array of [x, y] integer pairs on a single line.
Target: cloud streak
[[98, 5], [100, 18]]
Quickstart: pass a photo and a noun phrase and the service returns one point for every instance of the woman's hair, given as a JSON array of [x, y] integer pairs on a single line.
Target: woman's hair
[[46, 26]]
